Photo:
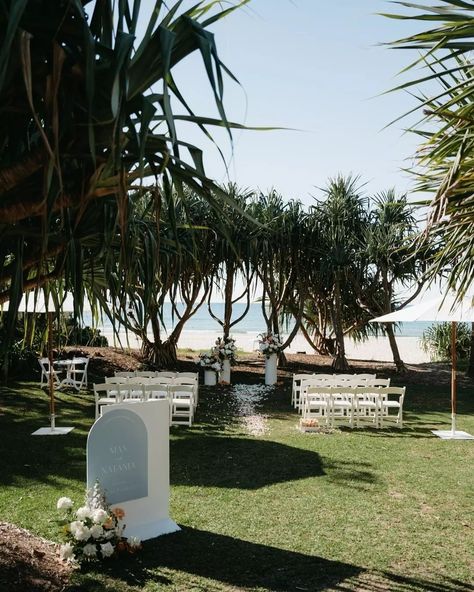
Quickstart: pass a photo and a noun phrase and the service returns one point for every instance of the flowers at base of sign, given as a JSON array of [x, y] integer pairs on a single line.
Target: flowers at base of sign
[[93, 531], [269, 343], [225, 348], [209, 361]]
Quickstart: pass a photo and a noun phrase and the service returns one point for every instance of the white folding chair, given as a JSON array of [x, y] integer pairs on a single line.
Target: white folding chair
[[194, 375], [342, 404], [367, 405], [78, 373], [46, 373], [317, 403], [311, 380], [386, 404], [190, 381], [106, 394], [145, 373], [181, 404], [124, 374], [296, 388], [165, 374], [154, 389], [134, 387]]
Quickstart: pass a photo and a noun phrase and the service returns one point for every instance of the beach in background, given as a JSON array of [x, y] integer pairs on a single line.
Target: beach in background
[[202, 330]]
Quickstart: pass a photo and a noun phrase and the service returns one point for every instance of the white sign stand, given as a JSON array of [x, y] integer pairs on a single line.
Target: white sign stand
[[148, 516]]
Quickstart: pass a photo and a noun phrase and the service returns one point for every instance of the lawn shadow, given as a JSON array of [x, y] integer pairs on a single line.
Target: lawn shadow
[[243, 463], [239, 564]]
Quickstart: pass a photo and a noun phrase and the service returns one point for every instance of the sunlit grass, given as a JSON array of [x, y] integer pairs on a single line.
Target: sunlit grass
[[354, 510]]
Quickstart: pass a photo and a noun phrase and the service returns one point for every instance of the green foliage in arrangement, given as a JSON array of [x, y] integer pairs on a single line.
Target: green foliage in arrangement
[[436, 341]]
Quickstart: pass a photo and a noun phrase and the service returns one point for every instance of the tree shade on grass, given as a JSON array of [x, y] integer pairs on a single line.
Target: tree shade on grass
[[356, 510]]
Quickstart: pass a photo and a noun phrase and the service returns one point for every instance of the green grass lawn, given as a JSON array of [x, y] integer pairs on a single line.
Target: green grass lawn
[[360, 510]]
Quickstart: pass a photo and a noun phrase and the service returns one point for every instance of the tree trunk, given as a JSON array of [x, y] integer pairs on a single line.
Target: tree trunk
[[228, 293], [394, 347], [160, 354], [470, 368], [340, 363]]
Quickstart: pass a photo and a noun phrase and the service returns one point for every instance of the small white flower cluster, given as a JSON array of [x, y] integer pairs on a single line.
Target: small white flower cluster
[[209, 361], [269, 343], [92, 531], [225, 348]]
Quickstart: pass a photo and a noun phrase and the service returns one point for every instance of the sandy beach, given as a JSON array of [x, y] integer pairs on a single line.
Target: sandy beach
[[374, 349]]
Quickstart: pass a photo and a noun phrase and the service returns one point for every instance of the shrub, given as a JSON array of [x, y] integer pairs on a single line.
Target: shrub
[[436, 341]]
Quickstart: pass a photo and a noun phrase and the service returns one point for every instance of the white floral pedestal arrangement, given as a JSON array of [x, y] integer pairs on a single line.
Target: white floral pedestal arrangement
[[210, 377], [270, 345], [224, 375], [271, 363], [210, 363]]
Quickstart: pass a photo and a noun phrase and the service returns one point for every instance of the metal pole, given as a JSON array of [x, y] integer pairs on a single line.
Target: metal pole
[[453, 377], [51, 375]]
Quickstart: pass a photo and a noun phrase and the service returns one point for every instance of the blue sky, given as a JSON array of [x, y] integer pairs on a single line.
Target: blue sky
[[315, 66]]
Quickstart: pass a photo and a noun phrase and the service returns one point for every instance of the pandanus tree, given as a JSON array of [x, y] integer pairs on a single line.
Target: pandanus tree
[[342, 218], [230, 254], [180, 270], [445, 162], [87, 110], [392, 264], [278, 256]]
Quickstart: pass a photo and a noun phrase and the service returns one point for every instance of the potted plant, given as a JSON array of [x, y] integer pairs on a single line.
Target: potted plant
[[210, 363], [270, 345], [225, 348]]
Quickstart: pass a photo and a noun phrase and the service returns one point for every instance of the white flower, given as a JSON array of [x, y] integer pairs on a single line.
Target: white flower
[[64, 503], [79, 530], [89, 550], [66, 552], [83, 512], [134, 542], [110, 534], [97, 531], [99, 516], [107, 549]]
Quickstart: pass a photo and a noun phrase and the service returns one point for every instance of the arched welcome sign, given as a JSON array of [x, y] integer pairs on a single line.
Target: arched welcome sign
[[117, 448], [128, 453]]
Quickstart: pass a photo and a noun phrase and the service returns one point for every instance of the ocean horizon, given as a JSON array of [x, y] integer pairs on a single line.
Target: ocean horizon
[[252, 323]]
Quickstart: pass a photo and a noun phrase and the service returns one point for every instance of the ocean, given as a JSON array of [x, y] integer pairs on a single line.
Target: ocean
[[253, 322]]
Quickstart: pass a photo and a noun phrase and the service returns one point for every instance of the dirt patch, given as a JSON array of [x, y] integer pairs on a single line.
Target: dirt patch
[[29, 563]]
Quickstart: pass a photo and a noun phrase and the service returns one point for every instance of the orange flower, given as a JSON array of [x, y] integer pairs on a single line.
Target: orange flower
[[109, 523], [119, 513]]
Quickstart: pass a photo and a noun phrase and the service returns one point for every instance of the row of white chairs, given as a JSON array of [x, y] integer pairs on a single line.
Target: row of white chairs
[[302, 381], [355, 405], [181, 397], [156, 374]]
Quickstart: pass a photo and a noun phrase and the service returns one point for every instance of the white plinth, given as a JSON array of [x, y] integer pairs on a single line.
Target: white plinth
[[224, 375], [271, 363], [210, 377], [52, 431], [450, 435]]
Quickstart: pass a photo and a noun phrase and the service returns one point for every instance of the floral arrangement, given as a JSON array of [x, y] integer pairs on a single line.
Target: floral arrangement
[[269, 343], [94, 530], [225, 348], [209, 361]]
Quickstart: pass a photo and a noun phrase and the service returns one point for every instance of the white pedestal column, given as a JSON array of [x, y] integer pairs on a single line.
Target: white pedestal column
[[210, 377], [271, 363], [225, 372]]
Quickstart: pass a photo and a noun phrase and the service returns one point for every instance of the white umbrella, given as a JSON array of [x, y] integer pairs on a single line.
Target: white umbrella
[[35, 303], [441, 309]]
